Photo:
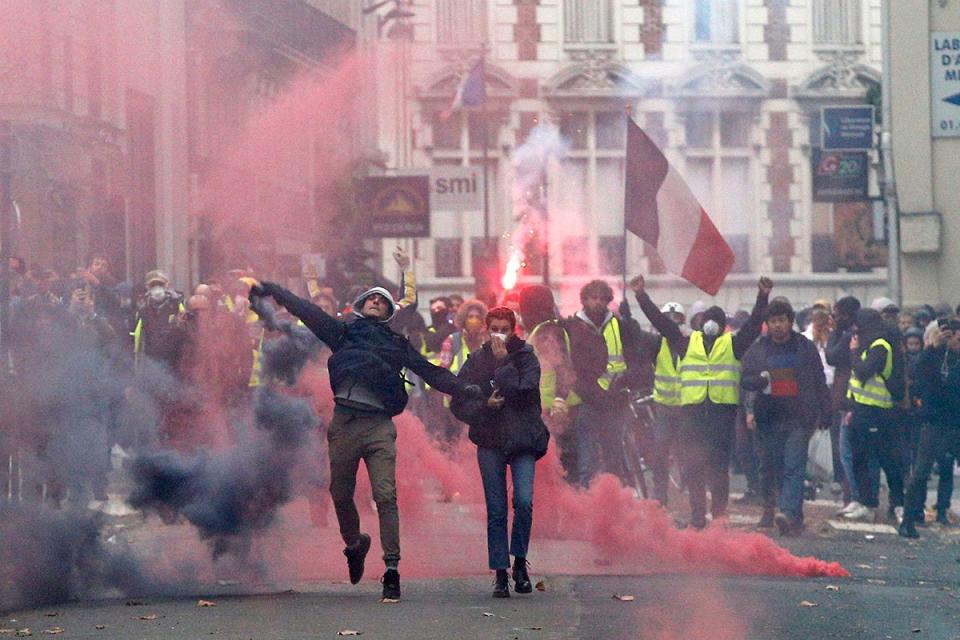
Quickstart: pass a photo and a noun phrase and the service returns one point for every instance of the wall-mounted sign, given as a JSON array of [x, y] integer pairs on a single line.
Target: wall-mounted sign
[[397, 206], [945, 84], [839, 176], [846, 128]]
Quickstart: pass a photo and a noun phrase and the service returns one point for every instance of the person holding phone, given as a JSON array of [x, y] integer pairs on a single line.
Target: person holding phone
[[937, 384], [508, 430]]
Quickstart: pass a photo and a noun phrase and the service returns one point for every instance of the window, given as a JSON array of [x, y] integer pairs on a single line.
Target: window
[[611, 254], [587, 21], [589, 192], [836, 22], [447, 257], [576, 255], [461, 23], [458, 141], [716, 21], [718, 169]]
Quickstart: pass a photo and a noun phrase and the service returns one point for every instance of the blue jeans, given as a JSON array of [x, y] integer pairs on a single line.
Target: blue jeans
[[783, 466], [493, 471]]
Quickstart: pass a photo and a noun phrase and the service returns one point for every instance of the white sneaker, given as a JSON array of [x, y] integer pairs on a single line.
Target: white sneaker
[[859, 512], [898, 511], [848, 508]]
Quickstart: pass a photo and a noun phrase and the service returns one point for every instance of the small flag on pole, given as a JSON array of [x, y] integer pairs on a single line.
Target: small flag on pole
[[472, 91], [660, 208]]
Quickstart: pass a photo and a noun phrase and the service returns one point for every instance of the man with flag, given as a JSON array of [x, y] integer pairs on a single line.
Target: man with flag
[[660, 208]]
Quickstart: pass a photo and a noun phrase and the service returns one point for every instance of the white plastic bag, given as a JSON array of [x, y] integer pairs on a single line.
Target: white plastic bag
[[820, 456]]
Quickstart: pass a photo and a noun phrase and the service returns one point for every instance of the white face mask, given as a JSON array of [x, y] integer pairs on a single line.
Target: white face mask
[[711, 328], [502, 336], [156, 293]]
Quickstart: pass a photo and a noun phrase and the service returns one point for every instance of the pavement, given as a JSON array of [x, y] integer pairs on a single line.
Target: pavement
[[899, 589]]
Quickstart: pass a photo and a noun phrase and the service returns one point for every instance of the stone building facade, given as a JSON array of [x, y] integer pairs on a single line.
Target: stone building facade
[[730, 89]]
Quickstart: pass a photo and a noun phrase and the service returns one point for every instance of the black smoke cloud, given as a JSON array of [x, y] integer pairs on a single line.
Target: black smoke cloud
[[49, 556], [230, 496], [284, 357]]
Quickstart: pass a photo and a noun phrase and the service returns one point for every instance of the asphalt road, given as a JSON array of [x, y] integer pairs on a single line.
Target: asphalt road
[[898, 589]]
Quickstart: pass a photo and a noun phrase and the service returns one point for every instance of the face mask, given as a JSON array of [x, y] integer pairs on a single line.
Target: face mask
[[156, 293], [473, 325], [711, 328], [438, 317], [502, 336]]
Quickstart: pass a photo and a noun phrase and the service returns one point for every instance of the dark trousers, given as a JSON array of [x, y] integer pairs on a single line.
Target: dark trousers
[[746, 452], [707, 437], [372, 437], [783, 464], [876, 436], [666, 431], [493, 472], [936, 442], [599, 441]]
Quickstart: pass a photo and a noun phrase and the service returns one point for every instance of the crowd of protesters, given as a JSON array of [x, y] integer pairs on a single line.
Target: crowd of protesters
[[729, 389]]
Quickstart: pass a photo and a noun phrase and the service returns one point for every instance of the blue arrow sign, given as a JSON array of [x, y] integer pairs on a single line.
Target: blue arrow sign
[[954, 99]]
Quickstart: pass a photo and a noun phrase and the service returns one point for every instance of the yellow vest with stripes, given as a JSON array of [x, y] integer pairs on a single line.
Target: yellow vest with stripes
[[715, 376], [666, 377], [874, 392], [548, 379], [616, 366]]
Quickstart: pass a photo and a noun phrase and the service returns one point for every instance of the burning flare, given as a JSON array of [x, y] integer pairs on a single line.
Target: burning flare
[[509, 280]]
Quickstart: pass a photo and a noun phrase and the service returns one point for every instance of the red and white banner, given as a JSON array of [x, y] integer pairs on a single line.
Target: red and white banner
[[660, 208]]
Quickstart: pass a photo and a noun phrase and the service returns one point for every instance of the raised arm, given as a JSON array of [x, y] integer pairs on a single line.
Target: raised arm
[[328, 329], [437, 377], [664, 325], [751, 330]]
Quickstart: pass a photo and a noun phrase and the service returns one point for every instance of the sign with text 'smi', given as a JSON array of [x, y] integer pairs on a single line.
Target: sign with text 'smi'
[[945, 84]]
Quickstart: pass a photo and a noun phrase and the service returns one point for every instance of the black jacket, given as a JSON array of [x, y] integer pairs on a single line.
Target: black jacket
[[367, 351], [937, 384], [516, 428], [814, 399]]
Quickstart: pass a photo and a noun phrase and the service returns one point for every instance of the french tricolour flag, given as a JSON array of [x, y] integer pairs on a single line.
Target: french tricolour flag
[[661, 209], [472, 91]]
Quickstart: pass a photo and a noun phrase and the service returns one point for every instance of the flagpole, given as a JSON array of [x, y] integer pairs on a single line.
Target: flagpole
[[486, 151], [627, 111]]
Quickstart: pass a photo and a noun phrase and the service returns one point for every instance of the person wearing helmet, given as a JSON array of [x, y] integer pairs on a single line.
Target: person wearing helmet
[[368, 387]]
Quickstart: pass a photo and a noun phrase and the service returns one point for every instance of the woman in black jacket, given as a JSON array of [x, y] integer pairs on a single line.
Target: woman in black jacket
[[506, 427]]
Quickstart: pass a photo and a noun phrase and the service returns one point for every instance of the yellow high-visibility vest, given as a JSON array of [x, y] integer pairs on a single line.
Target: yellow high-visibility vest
[[459, 359], [666, 377], [548, 379], [716, 375], [256, 370], [874, 392], [616, 365]]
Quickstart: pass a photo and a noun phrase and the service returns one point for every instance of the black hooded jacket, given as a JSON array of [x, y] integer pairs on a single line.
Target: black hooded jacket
[[366, 350], [516, 428]]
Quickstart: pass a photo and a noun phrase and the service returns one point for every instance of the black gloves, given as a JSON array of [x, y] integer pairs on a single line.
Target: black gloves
[[472, 392]]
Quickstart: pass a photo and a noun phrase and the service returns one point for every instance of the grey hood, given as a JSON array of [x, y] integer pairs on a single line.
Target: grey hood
[[358, 303]]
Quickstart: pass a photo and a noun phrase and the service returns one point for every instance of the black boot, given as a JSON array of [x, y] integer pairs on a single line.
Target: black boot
[[501, 585], [521, 581], [391, 585], [943, 519], [356, 553], [907, 529]]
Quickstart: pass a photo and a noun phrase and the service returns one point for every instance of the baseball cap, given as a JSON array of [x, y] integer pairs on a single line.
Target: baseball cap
[[156, 276]]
